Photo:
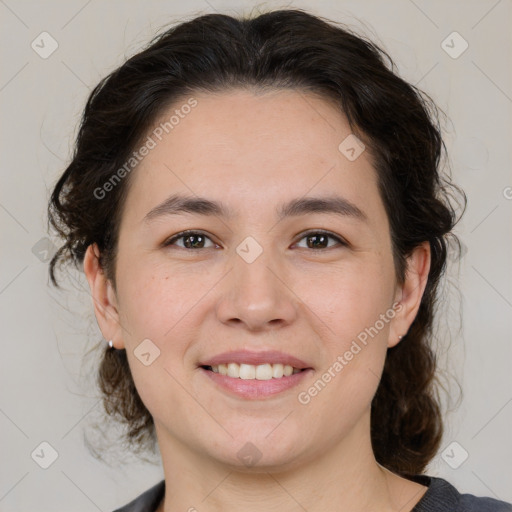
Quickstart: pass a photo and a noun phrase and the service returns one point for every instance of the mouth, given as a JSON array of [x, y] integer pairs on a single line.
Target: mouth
[[246, 371], [254, 382], [254, 375]]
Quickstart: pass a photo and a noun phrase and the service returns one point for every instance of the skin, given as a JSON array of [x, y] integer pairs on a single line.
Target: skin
[[253, 151]]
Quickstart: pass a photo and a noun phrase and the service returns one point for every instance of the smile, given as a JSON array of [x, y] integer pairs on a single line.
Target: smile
[[245, 371], [251, 387]]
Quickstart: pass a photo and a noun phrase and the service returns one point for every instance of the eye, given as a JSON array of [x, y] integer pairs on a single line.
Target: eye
[[191, 240], [319, 239]]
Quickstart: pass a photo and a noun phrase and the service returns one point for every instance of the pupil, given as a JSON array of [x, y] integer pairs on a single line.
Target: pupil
[[322, 237], [187, 239]]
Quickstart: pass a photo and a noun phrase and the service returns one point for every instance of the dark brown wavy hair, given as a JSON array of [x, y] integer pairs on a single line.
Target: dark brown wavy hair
[[291, 49]]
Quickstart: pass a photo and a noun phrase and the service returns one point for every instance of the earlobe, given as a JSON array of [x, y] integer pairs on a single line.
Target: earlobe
[[410, 293], [103, 295]]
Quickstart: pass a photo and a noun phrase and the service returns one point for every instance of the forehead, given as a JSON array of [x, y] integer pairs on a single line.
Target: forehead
[[253, 147], [286, 122]]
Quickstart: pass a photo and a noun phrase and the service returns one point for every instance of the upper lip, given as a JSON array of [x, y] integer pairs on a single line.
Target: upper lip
[[255, 358]]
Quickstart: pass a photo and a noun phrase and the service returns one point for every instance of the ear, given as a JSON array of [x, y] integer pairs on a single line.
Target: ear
[[409, 294], [104, 297]]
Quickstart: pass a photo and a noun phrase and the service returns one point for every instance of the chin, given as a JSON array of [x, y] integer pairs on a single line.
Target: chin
[[259, 452], [253, 461]]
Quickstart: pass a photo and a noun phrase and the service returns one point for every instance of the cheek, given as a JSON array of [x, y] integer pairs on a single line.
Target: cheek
[[342, 390], [158, 306], [349, 302], [153, 303], [161, 390], [353, 315]]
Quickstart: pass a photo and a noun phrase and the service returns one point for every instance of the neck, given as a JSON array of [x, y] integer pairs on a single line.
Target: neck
[[346, 477]]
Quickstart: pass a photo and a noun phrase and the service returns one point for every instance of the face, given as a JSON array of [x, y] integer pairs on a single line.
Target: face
[[312, 285]]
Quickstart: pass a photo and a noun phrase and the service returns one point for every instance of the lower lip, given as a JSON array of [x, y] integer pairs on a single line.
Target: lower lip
[[253, 388]]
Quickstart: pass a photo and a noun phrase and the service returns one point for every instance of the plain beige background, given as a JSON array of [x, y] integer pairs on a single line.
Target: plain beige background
[[47, 393]]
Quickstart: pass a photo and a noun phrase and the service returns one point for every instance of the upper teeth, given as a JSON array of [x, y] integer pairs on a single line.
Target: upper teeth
[[260, 372]]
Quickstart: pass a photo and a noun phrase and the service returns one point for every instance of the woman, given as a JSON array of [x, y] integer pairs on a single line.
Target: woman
[[260, 214]]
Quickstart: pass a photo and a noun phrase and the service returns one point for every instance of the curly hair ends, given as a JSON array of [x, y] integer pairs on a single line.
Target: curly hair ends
[[121, 399], [279, 49]]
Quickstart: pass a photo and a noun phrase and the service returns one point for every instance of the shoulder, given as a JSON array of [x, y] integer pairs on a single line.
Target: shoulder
[[442, 496], [148, 501]]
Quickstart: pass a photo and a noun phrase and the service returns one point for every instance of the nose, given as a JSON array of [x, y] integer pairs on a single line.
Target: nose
[[257, 295]]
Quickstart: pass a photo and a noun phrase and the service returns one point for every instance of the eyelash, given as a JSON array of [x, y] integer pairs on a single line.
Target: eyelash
[[188, 232]]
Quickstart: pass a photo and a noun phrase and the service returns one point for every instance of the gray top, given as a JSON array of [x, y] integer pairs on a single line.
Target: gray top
[[441, 496]]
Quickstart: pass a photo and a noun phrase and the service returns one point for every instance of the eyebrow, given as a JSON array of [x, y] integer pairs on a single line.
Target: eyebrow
[[177, 204]]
